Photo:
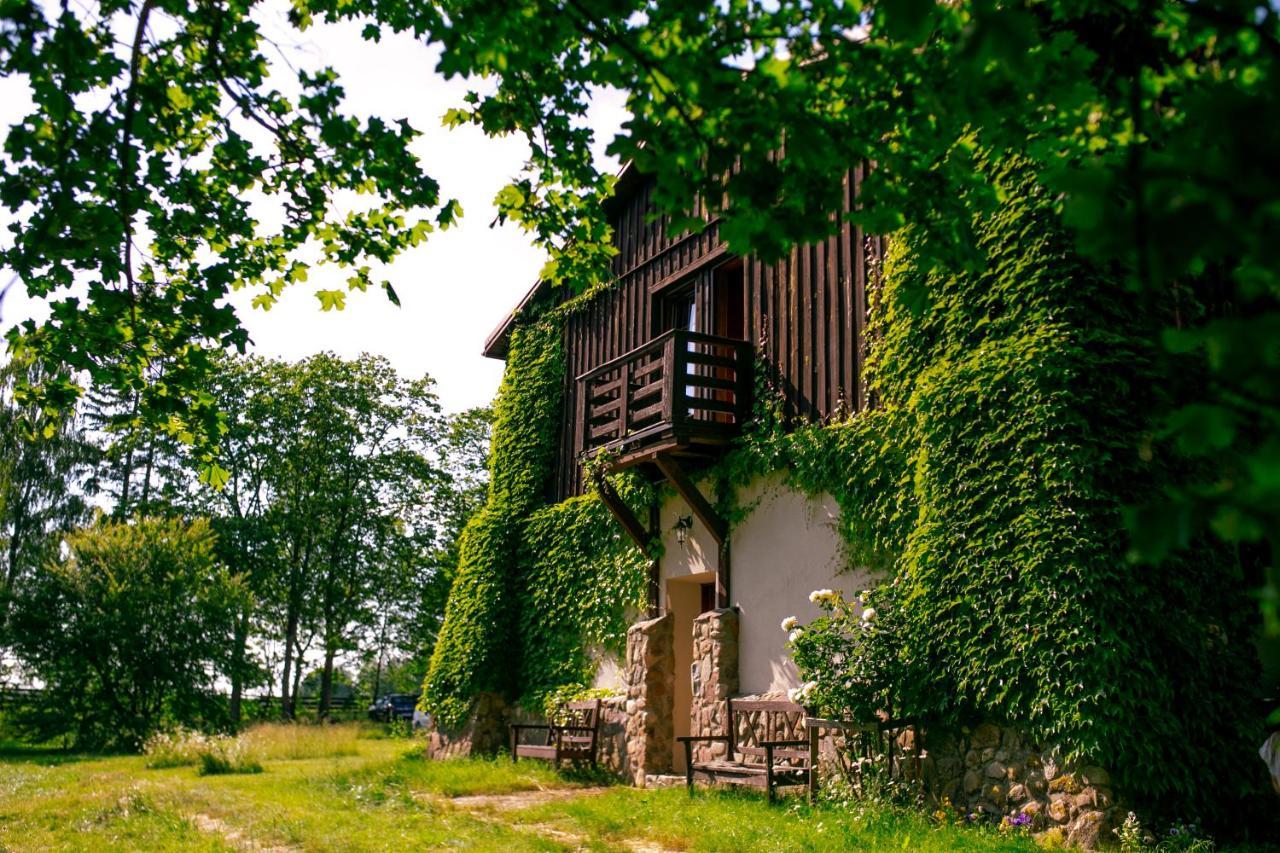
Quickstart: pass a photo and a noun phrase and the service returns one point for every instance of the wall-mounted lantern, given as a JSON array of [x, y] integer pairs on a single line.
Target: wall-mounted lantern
[[683, 524]]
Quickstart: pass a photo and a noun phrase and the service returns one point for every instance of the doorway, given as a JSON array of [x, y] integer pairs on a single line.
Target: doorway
[[687, 598]]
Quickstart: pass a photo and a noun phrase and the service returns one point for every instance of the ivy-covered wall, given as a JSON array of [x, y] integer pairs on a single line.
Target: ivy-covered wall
[[537, 585], [1018, 414]]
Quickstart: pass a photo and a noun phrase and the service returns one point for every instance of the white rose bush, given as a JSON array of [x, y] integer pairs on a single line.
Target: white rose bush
[[850, 657]]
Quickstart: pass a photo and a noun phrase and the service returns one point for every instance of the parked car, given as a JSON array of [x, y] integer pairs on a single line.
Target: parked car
[[393, 706]]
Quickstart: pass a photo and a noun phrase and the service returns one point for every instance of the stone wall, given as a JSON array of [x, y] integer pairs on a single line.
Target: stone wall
[[484, 733], [649, 679], [995, 774], [714, 676]]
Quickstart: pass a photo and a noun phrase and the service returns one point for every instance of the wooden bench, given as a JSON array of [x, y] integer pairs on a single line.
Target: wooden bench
[[767, 747], [571, 735]]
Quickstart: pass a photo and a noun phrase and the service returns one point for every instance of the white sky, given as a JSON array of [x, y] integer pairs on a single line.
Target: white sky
[[454, 288]]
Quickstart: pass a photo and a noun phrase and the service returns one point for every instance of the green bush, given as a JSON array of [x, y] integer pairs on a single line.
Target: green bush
[[129, 633]]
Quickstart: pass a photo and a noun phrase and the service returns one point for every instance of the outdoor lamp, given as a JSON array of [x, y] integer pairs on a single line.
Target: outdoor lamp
[[683, 523]]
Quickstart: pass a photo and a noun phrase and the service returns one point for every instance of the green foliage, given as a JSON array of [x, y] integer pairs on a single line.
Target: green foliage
[[151, 197], [129, 632], [991, 483], [45, 461], [585, 582], [537, 585], [478, 640]]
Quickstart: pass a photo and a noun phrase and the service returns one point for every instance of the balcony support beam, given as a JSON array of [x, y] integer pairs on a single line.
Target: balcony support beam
[[620, 511], [687, 489]]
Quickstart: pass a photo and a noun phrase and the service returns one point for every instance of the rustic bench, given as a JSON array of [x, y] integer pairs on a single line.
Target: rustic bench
[[572, 734], [767, 747]]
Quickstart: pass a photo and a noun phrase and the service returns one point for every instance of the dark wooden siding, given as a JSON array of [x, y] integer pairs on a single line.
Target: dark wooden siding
[[805, 315]]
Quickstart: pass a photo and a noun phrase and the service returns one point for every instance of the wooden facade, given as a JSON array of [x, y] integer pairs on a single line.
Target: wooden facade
[[804, 316]]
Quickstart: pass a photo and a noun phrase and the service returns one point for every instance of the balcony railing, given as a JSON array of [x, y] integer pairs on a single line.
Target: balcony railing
[[682, 392]]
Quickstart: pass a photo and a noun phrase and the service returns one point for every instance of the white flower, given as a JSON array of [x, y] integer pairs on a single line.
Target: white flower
[[800, 695], [794, 635], [864, 596], [823, 597], [790, 623], [869, 615]]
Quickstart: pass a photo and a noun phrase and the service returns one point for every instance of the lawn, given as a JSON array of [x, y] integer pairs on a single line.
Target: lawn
[[341, 791]]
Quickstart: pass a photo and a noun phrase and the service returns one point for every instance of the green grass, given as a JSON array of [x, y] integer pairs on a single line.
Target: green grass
[[367, 794]]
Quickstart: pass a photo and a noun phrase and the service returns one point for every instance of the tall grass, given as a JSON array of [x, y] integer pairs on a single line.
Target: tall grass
[[295, 742], [228, 755], [246, 752]]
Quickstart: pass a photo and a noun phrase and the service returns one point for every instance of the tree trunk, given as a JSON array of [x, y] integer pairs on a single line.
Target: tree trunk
[[288, 700], [146, 476], [237, 667], [326, 683], [298, 673]]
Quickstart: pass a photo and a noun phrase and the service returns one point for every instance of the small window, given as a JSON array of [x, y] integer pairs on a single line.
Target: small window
[[728, 301], [678, 310]]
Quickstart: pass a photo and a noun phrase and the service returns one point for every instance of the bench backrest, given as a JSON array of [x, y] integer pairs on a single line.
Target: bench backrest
[[579, 717], [754, 721]]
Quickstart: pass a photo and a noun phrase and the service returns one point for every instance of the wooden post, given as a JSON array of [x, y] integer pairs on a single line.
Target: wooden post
[[813, 763], [655, 567]]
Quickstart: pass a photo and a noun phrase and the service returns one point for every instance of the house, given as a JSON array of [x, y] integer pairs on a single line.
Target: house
[[659, 378], [978, 452]]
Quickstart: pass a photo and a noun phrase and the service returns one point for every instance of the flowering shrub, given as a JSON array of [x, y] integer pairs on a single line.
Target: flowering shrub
[[215, 754], [850, 657], [1181, 837]]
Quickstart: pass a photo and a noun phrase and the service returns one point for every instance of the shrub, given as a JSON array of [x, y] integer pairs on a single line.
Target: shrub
[[223, 754], [129, 632]]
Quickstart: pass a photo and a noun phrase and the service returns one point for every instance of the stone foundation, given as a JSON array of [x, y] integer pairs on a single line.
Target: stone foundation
[[995, 774], [484, 733], [648, 710], [714, 675]]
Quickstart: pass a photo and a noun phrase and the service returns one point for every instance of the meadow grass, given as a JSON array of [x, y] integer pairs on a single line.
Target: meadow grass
[[294, 742], [339, 792]]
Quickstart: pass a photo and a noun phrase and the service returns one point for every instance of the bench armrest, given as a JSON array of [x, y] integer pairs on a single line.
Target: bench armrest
[[701, 738], [842, 725], [590, 729], [777, 743]]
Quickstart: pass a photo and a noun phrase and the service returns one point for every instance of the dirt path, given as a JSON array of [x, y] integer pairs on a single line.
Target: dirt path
[[522, 799], [491, 806], [212, 826]]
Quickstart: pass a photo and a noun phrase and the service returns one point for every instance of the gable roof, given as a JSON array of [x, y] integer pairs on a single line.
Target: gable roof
[[495, 346]]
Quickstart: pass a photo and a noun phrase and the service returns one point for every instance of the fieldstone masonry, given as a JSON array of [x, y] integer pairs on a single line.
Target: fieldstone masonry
[[714, 676], [649, 678], [994, 773], [484, 732]]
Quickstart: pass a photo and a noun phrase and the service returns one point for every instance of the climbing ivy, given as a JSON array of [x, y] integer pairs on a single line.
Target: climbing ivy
[[474, 651], [537, 585], [1017, 416], [585, 583], [989, 487]]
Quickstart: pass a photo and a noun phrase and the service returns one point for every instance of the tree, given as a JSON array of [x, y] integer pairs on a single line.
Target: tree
[[129, 632], [139, 175], [45, 477], [1152, 121]]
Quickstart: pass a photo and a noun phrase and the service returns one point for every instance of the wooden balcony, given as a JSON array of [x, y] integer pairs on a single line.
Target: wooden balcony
[[683, 394]]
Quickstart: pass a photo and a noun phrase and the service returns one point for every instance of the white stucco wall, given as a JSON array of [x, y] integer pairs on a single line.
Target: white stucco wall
[[787, 546]]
